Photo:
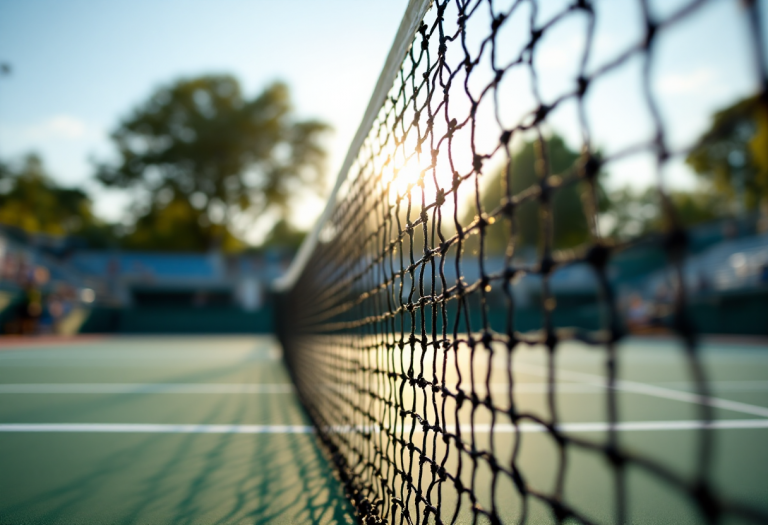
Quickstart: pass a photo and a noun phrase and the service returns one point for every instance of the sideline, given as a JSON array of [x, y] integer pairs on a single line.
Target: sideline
[[146, 388], [139, 428], [288, 388], [645, 388]]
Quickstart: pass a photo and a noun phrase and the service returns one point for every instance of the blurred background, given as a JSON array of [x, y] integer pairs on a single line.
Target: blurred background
[[169, 158], [161, 163]]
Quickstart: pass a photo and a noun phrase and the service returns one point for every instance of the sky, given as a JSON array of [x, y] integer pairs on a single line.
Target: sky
[[700, 64], [81, 65]]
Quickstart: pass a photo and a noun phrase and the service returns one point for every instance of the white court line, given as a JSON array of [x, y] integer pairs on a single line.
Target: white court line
[[746, 385], [146, 388], [288, 388], [626, 426], [581, 387], [600, 426], [644, 388], [590, 388], [235, 388], [140, 428]]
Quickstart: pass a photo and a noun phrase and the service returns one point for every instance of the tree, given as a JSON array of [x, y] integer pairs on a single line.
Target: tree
[[570, 222], [200, 149], [31, 201], [635, 213], [285, 236], [733, 154], [177, 225]]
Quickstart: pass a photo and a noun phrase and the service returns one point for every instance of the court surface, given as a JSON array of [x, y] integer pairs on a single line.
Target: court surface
[[129, 438], [209, 430]]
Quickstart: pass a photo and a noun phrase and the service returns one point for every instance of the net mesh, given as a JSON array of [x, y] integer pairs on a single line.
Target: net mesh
[[409, 327]]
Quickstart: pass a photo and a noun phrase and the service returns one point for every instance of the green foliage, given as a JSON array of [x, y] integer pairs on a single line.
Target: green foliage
[[733, 153], [202, 149], [283, 235], [31, 201], [570, 227], [178, 226], [637, 213]]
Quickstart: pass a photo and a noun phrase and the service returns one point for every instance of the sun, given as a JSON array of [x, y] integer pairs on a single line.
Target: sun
[[414, 177]]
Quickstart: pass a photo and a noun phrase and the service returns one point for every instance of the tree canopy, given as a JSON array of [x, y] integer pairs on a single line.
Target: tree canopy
[[202, 154], [31, 201], [570, 223], [636, 213], [285, 236], [733, 154]]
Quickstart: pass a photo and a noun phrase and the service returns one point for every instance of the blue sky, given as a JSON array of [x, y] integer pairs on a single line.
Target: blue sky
[[79, 65]]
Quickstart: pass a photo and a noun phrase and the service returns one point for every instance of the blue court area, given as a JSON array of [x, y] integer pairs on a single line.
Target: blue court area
[[209, 430]]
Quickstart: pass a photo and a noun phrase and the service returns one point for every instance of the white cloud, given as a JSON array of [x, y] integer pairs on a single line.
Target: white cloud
[[64, 141], [58, 127], [688, 82], [68, 127], [566, 53]]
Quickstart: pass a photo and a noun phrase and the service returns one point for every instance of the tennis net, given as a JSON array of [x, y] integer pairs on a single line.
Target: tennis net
[[471, 242]]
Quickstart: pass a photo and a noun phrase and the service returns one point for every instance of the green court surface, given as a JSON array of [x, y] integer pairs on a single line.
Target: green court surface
[[209, 430], [92, 476]]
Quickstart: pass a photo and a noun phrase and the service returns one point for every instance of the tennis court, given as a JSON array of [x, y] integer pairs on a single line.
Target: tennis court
[[504, 313], [126, 435], [209, 430]]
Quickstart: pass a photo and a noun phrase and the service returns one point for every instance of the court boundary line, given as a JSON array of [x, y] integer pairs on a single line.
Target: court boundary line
[[13, 343], [152, 428], [645, 388], [147, 388], [288, 388]]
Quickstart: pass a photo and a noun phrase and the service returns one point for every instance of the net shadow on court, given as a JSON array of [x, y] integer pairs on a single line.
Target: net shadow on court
[[82, 474]]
